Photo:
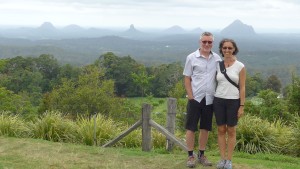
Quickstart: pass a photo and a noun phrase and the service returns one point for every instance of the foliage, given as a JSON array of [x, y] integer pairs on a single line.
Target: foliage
[[53, 126], [30, 74], [16, 104], [268, 106], [106, 129], [254, 84], [293, 95], [295, 143], [142, 80], [273, 83], [254, 135], [165, 78], [178, 91], [120, 69], [12, 126], [89, 95]]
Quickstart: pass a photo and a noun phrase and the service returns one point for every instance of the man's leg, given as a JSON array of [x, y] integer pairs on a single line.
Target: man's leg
[[203, 138], [206, 116], [190, 141]]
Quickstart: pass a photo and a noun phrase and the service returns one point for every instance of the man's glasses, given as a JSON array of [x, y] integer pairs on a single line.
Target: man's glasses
[[207, 42], [229, 48]]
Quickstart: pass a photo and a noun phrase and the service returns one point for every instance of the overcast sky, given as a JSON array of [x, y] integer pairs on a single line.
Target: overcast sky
[[263, 15]]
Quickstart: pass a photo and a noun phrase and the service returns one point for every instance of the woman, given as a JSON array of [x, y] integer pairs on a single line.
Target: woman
[[229, 101]]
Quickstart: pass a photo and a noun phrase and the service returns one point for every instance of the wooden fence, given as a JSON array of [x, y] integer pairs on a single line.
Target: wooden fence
[[146, 123]]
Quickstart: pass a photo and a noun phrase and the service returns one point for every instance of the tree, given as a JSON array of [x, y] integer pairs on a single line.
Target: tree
[[120, 69], [273, 83], [15, 104], [48, 66], [254, 84], [165, 78], [142, 80], [293, 95], [272, 107], [88, 95]]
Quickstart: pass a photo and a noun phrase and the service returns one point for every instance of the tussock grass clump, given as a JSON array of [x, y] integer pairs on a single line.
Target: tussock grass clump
[[255, 135], [12, 125], [284, 137], [106, 129], [295, 143], [53, 126]]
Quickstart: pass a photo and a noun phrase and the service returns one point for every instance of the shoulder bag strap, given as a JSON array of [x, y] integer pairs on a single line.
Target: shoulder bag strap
[[223, 70]]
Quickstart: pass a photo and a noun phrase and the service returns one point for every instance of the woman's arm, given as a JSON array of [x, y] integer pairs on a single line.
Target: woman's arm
[[242, 85]]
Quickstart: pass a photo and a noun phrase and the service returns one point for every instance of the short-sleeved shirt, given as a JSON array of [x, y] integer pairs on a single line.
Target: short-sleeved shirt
[[225, 89], [203, 73]]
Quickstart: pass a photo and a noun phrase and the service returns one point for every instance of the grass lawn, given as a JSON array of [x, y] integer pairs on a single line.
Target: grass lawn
[[39, 154]]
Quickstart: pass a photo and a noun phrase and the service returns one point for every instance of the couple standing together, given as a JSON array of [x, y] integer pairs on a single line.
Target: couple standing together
[[202, 73]]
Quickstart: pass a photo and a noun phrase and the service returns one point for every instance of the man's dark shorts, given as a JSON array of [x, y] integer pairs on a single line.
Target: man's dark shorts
[[199, 112], [226, 111]]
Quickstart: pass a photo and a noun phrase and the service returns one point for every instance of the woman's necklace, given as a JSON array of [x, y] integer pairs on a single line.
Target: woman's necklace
[[229, 61]]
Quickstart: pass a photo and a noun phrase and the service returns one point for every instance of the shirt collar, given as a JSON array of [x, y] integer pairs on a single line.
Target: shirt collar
[[199, 55]]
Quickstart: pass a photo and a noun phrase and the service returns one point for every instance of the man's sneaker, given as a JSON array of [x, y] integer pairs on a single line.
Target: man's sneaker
[[228, 164], [221, 164], [191, 162], [204, 161]]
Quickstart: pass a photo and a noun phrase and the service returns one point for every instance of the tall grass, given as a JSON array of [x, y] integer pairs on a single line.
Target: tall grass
[[12, 125], [255, 135], [106, 129], [295, 143], [53, 126]]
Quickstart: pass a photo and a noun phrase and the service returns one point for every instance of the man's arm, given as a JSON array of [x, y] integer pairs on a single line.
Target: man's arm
[[188, 87]]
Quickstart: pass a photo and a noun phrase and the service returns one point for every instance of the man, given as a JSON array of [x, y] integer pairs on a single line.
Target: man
[[200, 71]]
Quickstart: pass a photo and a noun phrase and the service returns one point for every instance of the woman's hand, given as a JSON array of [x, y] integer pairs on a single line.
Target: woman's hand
[[241, 111]]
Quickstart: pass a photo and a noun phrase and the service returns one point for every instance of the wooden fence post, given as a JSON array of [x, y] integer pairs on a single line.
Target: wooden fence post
[[171, 118], [146, 128]]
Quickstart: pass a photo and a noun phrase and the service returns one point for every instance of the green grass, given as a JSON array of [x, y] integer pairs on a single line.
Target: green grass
[[19, 153]]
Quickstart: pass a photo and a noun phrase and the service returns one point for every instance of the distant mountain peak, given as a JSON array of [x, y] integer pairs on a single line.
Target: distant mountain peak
[[132, 29], [237, 21], [238, 28], [47, 26], [132, 32], [175, 29], [131, 26], [73, 28]]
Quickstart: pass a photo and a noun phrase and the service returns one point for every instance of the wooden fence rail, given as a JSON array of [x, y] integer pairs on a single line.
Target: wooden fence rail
[[146, 123]]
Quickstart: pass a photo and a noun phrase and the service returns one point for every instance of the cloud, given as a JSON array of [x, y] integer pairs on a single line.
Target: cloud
[[153, 13]]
